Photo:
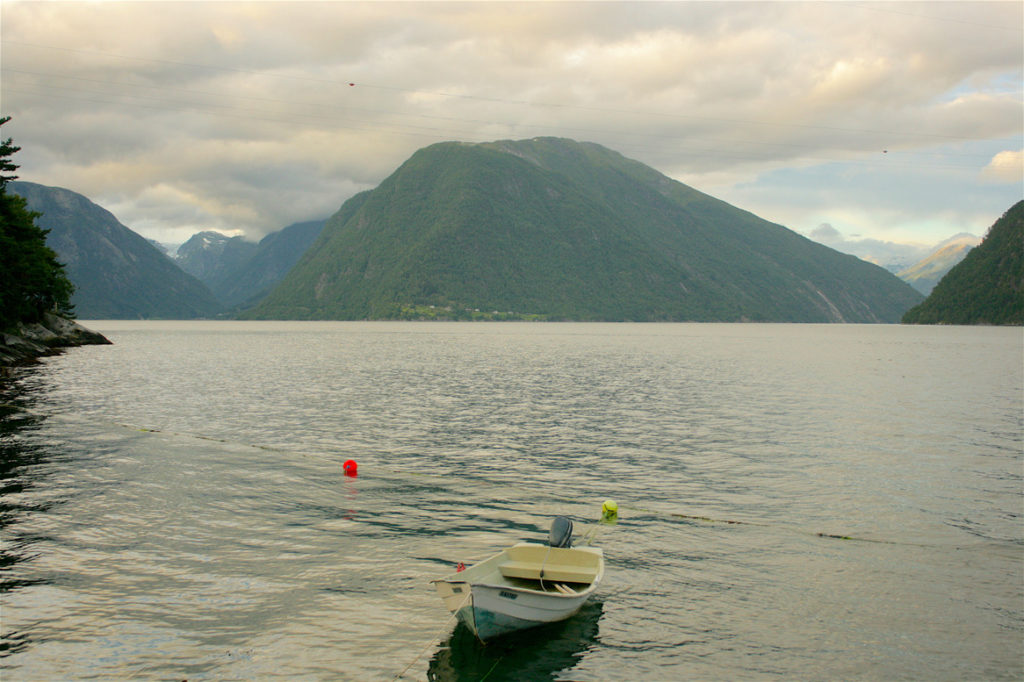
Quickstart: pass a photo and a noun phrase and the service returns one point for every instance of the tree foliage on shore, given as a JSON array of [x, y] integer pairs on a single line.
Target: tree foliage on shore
[[32, 281], [987, 286]]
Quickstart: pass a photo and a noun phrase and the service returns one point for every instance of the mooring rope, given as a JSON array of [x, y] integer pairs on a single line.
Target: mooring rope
[[436, 638], [511, 486], [492, 669], [542, 565], [833, 536]]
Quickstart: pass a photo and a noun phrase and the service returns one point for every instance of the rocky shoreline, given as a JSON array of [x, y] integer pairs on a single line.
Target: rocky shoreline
[[29, 342]]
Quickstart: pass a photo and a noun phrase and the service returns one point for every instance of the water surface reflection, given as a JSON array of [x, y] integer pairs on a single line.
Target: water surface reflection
[[537, 654], [17, 457]]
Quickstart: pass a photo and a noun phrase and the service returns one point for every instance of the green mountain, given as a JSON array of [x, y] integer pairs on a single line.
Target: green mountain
[[987, 286], [250, 280], [555, 229], [117, 274]]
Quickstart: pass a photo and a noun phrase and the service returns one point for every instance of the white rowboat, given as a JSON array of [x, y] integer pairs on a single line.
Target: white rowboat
[[526, 585]]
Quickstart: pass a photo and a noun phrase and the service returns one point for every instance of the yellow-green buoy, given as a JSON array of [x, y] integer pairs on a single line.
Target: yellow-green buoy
[[609, 512]]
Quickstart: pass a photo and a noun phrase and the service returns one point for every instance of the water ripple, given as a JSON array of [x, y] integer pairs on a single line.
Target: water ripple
[[173, 506]]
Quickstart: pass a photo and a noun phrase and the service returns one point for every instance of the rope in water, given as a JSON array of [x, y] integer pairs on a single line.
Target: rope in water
[[664, 514], [833, 536], [492, 669], [532, 492], [436, 638]]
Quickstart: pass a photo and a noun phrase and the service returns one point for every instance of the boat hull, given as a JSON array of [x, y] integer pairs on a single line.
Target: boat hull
[[491, 605], [494, 611]]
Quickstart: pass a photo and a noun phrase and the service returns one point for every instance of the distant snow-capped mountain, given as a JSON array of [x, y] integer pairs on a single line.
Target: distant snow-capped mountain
[[237, 270], [208, 254]]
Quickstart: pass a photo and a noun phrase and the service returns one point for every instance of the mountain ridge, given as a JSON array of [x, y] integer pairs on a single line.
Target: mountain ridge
[[927, 272], [250, 279], [116, 272], [556, 229]]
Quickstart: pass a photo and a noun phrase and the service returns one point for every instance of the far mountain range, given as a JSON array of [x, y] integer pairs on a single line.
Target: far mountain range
[[919, 265], [240, 272], [544, 229], [120, 275]]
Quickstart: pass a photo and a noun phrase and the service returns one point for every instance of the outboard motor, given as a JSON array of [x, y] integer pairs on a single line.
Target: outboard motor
[[561, 532]]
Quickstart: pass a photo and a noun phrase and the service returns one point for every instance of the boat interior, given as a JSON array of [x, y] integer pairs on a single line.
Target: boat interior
[[551, 569], [547, 586]]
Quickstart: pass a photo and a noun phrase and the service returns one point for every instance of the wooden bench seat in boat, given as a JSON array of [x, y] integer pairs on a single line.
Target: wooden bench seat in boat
[[561, 573]]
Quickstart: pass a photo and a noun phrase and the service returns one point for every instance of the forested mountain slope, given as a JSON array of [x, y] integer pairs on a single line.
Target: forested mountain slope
[[987, 286], [117, 273], [556, 229]]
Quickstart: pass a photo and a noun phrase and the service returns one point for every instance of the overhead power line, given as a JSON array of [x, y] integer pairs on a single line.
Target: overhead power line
[[680, 146], [343, 84]]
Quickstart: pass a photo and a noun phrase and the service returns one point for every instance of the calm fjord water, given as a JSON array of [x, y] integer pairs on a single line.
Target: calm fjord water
[[173, 506]]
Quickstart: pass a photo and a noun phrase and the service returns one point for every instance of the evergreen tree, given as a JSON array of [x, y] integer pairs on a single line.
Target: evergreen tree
[[32, 281]]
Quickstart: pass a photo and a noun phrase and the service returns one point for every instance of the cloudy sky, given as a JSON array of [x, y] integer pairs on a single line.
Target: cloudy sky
[[897, 122]]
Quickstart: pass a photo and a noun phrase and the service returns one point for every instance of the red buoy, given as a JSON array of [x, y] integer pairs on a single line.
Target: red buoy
[[350, 467]]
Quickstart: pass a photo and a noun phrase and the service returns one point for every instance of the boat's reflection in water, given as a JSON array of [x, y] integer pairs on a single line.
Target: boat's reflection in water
[[536, 654]]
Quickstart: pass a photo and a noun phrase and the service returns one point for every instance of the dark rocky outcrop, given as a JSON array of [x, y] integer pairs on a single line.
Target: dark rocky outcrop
[[29, 342]]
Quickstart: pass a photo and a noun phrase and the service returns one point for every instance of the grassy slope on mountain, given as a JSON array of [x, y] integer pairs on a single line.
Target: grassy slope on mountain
[[987, 286], [568, 231]]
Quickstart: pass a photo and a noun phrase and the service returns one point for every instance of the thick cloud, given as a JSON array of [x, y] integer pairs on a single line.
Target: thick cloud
[[897, 120], [1006, 166]]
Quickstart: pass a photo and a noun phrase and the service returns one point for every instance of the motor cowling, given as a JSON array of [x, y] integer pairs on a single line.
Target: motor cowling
[[561, 532]]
